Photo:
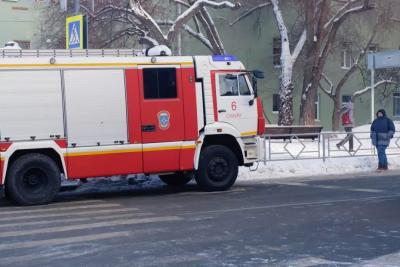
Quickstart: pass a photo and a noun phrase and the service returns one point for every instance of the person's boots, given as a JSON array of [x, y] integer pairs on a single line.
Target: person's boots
[[380, 168]]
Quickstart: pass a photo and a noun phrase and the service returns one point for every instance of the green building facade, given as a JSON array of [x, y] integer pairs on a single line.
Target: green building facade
[[19, 20]]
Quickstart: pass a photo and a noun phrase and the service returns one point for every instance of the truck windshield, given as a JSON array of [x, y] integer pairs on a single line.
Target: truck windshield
[[233, 85]]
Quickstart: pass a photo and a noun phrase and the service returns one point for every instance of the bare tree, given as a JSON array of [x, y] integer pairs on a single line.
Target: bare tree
[[322, 28], [358, 65]]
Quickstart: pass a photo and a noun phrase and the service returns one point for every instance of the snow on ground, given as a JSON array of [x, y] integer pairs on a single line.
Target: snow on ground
[[340, 162]]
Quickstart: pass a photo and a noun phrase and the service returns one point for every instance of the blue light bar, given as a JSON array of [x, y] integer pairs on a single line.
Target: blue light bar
[[224, 58]]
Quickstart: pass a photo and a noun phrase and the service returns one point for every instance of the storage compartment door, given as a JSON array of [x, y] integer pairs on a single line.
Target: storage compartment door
[[30, 105], [95, 107]]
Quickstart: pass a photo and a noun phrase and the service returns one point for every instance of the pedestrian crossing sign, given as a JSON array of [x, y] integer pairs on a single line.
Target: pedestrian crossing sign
[[74, 32]]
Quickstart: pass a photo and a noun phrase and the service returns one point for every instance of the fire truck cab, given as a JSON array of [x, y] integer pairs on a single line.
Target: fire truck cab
[[76, 114]]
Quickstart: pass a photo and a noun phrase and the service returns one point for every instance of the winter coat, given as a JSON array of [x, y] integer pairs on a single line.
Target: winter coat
[[347, 111], [382, 130]]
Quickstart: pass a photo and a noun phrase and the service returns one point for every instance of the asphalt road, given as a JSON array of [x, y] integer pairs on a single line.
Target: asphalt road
[[327, 221]]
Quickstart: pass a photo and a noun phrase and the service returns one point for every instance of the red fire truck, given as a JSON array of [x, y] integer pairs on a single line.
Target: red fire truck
[[96, 113]]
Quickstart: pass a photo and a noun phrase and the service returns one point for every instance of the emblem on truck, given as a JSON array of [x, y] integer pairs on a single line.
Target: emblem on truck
[[163, 119]]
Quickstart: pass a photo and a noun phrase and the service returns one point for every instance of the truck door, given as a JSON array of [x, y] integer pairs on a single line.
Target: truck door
[[162, 119], [235, 102]]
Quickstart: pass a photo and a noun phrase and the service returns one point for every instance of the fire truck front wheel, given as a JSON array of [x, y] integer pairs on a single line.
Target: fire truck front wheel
[[176, 179], [218, 168], [33, 179]]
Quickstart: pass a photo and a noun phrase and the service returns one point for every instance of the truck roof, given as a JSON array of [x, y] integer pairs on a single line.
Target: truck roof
[[11, 59]]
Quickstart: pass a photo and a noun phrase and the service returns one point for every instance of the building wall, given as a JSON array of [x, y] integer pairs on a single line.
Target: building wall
[[19, 20]]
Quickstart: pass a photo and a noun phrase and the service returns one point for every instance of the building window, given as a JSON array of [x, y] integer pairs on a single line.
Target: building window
[[346, 98], [276, 102], [276, 51], [347, 60], [317, 109], [159, 83], [396, 104]]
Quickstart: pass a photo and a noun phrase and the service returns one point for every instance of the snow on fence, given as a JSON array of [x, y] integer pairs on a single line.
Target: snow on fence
[[300, 147]]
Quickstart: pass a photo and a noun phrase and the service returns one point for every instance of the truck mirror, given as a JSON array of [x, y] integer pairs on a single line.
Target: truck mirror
[[258, 74]]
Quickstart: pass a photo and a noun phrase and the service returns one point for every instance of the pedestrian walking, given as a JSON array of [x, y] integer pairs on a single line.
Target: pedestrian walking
[[347, 121], [382, 130]]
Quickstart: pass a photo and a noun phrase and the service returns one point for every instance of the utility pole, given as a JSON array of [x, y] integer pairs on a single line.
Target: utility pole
[[179, 37], [77, 6], [64, 5]]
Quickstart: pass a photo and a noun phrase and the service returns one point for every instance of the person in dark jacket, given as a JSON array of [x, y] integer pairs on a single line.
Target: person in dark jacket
[[382, 130]]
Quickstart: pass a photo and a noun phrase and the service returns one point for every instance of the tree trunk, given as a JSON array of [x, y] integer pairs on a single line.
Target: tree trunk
[[336, 114], [286, 103]]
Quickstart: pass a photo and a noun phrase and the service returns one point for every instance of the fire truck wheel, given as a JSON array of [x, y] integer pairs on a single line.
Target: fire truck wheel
[[33, 179], [176, 179], [218, 168]]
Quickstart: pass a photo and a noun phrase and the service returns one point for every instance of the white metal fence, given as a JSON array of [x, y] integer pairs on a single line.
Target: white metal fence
[[283, 147]]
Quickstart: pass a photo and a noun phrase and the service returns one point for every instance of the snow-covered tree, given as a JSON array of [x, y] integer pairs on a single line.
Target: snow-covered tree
[[287, 61], [137, 20], [149, 22]]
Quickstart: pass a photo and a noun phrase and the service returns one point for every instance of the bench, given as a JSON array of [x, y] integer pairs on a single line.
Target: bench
[[286, 132]]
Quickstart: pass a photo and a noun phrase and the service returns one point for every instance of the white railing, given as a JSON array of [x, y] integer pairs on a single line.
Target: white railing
[[4, 53], [282, 147]]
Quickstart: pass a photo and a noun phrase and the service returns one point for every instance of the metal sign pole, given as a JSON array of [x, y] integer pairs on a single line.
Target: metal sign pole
[[372, 94], [77, 6]]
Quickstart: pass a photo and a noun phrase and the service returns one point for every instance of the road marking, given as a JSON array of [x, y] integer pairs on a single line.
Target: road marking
[[66, 214], [289, 183], [88, 226], [52, 255], [140, 214], [56, 204], [333, 187], [63, 240], [212, 193], [105, 205], [367, 190], [63, 220], [288, 205]]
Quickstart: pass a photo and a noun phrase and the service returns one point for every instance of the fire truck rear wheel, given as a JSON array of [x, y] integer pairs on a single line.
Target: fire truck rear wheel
[[176, 179], [218, 168], [33, 179]]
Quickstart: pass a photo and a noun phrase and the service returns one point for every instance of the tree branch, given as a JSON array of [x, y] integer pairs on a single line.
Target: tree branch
[[249, 12], [328, 92], [196, 7], [366, 89], [300, 45]]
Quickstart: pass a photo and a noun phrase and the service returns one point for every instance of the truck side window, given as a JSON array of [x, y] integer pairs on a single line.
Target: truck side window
[[228, 85], [159, 83], [243, 86]]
